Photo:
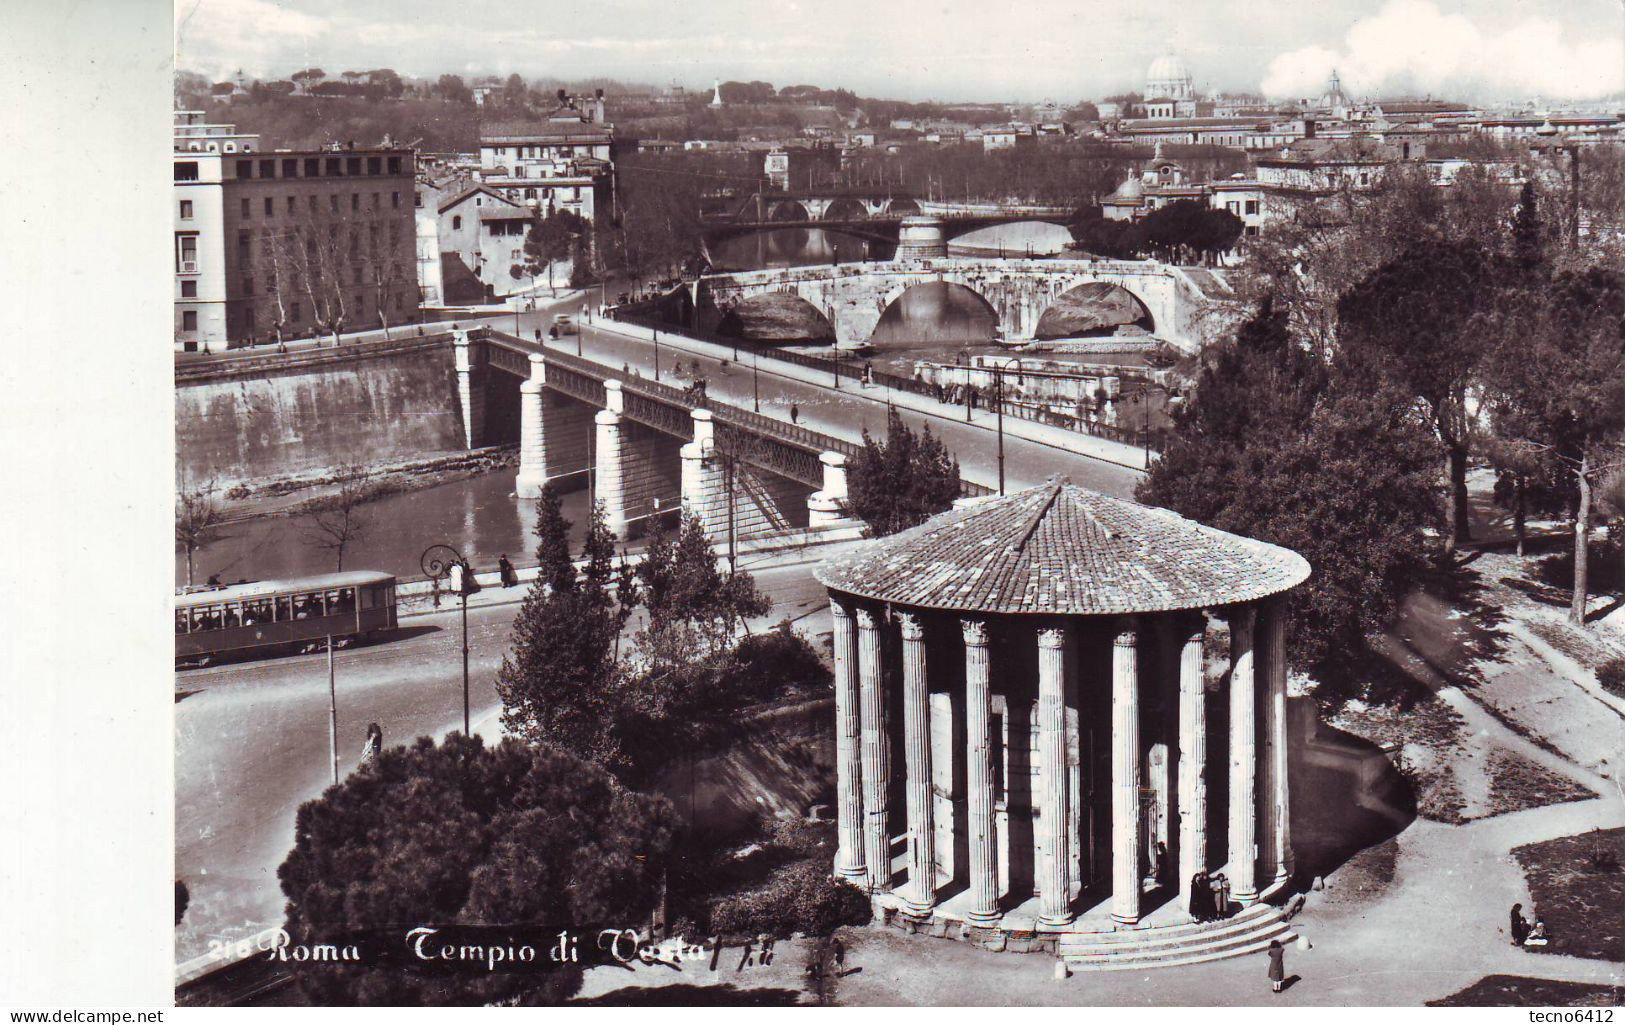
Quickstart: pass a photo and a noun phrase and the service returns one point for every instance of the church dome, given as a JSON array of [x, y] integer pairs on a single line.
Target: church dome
[[1168, 79], [1131, 190]]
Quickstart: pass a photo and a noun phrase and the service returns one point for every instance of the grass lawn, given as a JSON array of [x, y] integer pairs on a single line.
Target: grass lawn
[[1516, 783], [1522, 991], [1582, 902]]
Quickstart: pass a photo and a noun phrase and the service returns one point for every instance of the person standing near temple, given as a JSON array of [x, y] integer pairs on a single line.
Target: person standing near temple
[[1201, 907], [1277, 955]]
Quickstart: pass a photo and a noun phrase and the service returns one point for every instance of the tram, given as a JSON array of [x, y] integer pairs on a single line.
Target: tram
[[348, 607]]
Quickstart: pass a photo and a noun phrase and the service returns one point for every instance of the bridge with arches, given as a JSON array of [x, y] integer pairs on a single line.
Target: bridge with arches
[[875, 214], [851, 298]]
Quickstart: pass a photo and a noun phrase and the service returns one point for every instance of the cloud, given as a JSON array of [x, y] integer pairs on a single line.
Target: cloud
[[1411, 46], [217, 37]]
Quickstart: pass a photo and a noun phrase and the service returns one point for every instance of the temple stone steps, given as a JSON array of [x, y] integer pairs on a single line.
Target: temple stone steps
[[1081, 932], [1247, 933]]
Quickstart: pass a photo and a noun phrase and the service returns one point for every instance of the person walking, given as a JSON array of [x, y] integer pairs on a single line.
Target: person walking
[[795, 413], [1277, 965], [506, 572], [374, 743]]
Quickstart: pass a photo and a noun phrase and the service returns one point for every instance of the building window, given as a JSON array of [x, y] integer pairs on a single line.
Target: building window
[[186, 209], [270, 206], [267, 168], [352, 165], [189, 320], [374, 165], [375, 201], [417, 200], [290, 168], [248, 210], [355, 202], [333, 201], [394, 165], [456, 223], [334, 166], [245, 168], [1251, 229], [313, 167], [248, 286], [394, 200], [1252, 206], [188, 288], [186, 253], [186, 170]]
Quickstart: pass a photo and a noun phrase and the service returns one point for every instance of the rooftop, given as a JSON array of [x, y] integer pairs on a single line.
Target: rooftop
[[526, 131], [1061, 549]]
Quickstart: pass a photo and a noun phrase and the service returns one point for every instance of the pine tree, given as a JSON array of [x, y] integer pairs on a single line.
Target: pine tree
[[553, 542]]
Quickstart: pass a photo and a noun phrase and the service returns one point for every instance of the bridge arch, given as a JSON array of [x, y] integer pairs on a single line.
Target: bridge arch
[[956, 314], [846, 209], [775, 317], [788, 210], [1094, 309], [902, 206]]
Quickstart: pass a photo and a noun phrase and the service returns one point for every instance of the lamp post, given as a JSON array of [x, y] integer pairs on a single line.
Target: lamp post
[[332, 712], [964, 358], [440, 562], [656, 332], [755, 379], [998, 400]]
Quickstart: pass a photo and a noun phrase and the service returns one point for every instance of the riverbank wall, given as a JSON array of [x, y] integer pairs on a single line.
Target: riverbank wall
[[247, 420]]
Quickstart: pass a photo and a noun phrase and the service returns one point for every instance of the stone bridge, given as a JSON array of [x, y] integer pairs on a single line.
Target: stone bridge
[[852, 297], [644, 448], [874, 215]]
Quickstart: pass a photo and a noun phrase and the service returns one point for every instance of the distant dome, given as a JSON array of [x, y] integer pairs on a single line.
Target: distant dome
[[1130, 190], [1168, 79]]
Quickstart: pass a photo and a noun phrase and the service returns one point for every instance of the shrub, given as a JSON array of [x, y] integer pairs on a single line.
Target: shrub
[[802, 898], [777, 662], [1611, 674]]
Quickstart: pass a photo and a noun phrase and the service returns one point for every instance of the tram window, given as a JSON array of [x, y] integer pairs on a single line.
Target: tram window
[[284, 609], [369, 597], [234, 615], [182, 622], [346, 600]]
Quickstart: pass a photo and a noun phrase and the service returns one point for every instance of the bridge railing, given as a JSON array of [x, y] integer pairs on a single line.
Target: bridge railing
[[832, 365]]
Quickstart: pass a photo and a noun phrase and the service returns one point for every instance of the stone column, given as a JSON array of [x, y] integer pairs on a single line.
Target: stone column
[[876, 756], [984, 860], [1278, 849], [1055, 813], [922, 832], [828, 505], [849, 863], [1126, 839], [1243, 759], [611, 468], [532, 441], [1192, 755]]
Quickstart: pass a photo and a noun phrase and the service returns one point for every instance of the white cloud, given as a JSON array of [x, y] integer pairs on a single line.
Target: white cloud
[[1411, 46], [217, 37]]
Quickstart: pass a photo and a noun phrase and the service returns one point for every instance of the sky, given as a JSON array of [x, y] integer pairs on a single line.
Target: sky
[[950, 50]]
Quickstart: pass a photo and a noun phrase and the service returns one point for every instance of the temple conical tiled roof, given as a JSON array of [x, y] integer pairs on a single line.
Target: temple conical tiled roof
[[1061, 549]]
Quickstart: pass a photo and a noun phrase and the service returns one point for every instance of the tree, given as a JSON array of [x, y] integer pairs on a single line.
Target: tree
[[1277, 445], [560, 684], [1555, 387], [902, 481], [452, 89], [197, 522], [458, 834], [222, 88], [556, 235], [514, 91], [307, 78], [341, 519], [1416, 319]]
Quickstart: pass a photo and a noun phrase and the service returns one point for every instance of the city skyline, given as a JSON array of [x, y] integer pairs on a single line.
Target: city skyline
[[1469, 49]]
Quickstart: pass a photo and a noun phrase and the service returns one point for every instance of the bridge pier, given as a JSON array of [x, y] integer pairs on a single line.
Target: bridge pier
[[532, 431], [828, 505], [702, 479], [470, 387], [610, 470]]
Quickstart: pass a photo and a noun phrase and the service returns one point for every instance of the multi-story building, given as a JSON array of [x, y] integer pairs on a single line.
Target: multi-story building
[[563, 163], [287, 243]]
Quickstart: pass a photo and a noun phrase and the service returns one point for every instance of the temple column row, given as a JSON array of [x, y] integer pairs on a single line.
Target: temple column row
[[863, 765]]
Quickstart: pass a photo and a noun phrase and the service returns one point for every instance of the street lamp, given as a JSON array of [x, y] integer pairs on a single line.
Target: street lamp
[[755, 379], [656, 333], [441, 562], [998, 400], [964, 358]]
